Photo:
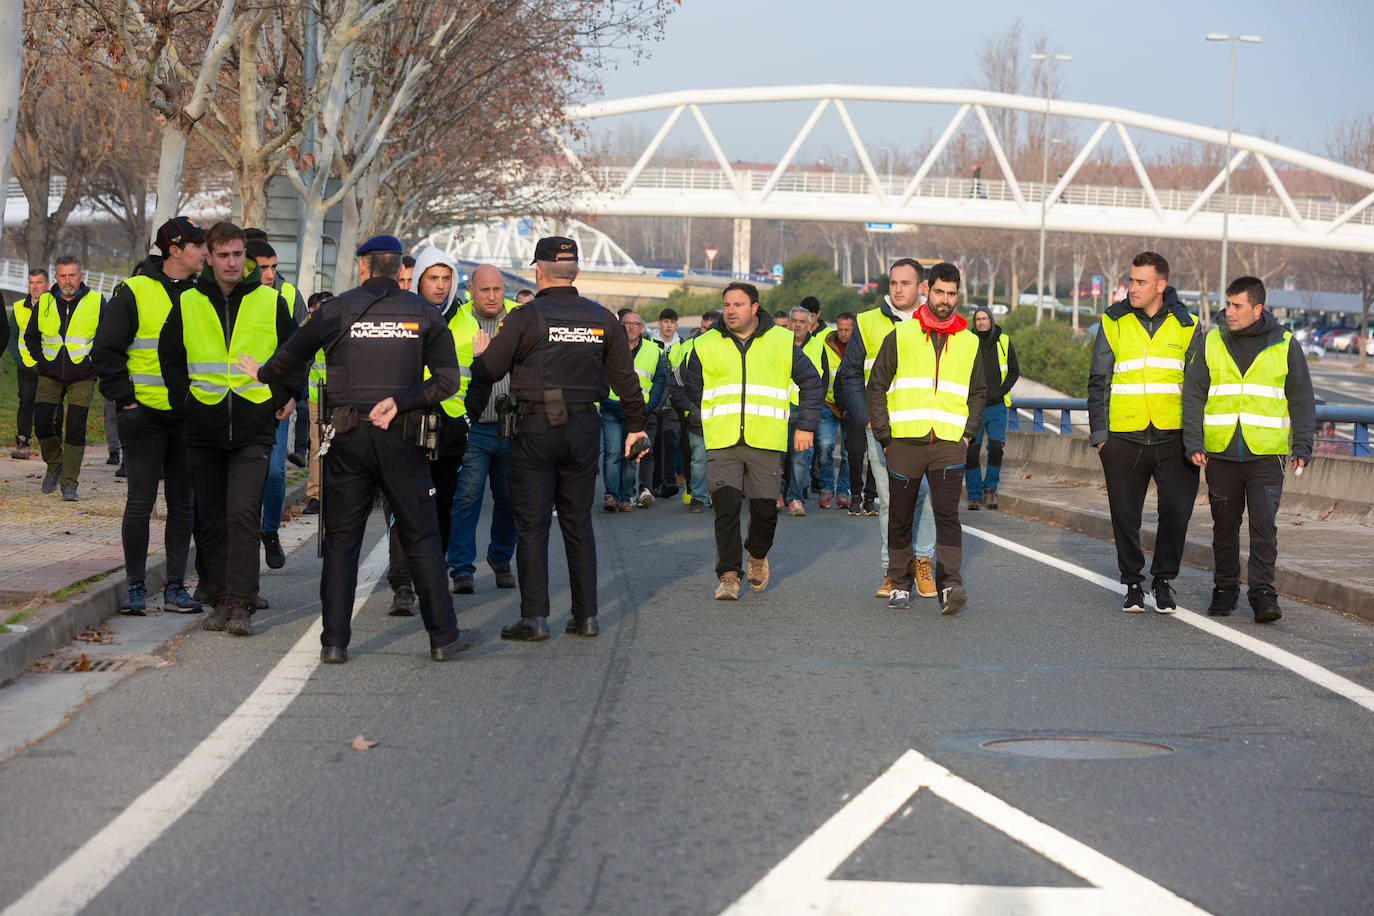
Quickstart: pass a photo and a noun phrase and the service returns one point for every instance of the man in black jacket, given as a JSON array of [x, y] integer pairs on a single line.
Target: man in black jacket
[[1000, 370], [25, 364], [231, 420], [1247, 404], [150, 425]]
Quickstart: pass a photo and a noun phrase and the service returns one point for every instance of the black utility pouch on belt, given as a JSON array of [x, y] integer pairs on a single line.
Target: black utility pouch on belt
[[421, 428], [344, 419], [555, 408]]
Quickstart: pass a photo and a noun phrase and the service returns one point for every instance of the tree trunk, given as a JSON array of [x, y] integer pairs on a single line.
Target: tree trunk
[[169, 164], [11, 11], [346, 268], [253, 195]]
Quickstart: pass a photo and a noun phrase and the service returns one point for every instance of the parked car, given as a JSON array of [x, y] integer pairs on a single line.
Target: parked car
[[1343, 341]]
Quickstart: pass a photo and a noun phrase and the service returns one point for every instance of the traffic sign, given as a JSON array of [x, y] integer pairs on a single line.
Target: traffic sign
[[777, 269], [879, 227], [711, 253], [1097, 284]]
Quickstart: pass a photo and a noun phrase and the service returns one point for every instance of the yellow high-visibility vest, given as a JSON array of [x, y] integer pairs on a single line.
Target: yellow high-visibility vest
[[22, 315], [922, 400], [646, 364], [212, 366], [145, 369], [1253, 403], [462, 325], [744, 394], [80, 334], [1147, 375]]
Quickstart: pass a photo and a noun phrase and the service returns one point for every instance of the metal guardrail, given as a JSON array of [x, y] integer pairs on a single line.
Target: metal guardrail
[[1328, 417], [14, 276]]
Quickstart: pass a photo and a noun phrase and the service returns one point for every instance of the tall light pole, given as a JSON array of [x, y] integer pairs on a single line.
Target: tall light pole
[[1226, 190], [1049, 60]]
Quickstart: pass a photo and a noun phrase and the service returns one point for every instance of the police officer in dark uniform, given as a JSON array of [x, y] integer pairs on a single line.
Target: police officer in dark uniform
[[377, 340], [560, 349]]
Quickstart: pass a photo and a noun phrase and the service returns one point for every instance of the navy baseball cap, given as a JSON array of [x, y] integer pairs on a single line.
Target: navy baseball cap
[[555, 248], [383, 243]]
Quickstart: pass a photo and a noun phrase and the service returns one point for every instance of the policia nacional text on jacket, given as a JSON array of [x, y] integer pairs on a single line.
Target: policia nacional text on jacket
[[382, 355], [558, 342]]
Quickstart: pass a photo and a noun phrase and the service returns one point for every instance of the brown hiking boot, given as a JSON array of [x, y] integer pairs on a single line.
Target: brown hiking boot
[[884, 590], [758, 574], [728, 589], [925, 579]]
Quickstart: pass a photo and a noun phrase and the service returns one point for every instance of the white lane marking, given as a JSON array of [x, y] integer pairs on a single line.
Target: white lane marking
[[801, 883], [85, 873], [1313, 672]]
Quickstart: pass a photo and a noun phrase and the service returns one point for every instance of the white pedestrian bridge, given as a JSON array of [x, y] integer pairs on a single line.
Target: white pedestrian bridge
[[1343, 220]]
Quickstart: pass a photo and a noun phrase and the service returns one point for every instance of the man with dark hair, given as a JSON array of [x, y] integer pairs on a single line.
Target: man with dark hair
[[1001, 371], [523, 296], [126, 357], [59, 337], [780, 318], [738, 377], [378, 340], [797, 466], [560, 350], [1247, 403], [1135, 403], [831, 435], [231, 418], [26, 363], [925, 400], [665, 329], [404, 273], [628, 482], [906, 283]]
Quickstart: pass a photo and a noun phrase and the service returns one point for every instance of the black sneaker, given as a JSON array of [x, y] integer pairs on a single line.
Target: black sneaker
[[504, 577], [50, 478], [120, 472], [952, 600], [271, 546], [1135, 599], [312, 507], [136, 601], [1164, 597], [114, 457], [176, 600], [870, 507], [1265, 604], [1224, 599], [463, 585], [298, 459], [402, 602]]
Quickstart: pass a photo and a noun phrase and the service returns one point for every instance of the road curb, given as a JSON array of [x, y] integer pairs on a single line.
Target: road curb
[[59, 623], [1289, 580]]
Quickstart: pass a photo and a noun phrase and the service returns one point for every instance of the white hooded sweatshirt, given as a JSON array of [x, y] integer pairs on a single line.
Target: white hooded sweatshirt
[[426, 258]]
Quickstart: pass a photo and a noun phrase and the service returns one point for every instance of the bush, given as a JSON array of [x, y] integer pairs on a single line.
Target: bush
[[1049, 353]]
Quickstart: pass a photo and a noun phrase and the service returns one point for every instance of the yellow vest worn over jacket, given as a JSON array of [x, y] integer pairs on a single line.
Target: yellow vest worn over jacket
[[744, 393], [80, 333], [815, 351], [922, 400], [874, 327], [1003, 344], [646, 364], [1254, 403], [463, 326], [1147, 373], [213, 367], [23, 313], [145, 369]]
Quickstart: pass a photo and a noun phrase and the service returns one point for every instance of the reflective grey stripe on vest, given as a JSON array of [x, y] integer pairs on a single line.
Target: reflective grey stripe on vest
[[209, 387], [139, 379], [144, 343], [205, 368], [465, 372]]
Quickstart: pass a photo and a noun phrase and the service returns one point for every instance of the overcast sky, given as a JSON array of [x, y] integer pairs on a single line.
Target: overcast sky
[[1313, 67]]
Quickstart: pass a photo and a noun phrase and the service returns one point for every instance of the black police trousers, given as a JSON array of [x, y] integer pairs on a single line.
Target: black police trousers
[[1128, 468], [1233, 489], [356, 463], [555, 468]]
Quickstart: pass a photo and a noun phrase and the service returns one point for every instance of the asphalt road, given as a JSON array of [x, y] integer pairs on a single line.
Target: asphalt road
[[1335, 380], [672, 764]]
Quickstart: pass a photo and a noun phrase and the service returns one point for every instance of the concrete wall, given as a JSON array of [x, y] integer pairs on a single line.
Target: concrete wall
[[1346, 483]]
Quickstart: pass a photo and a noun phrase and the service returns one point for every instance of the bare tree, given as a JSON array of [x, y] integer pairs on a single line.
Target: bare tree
[[10, 77], [1352, 142]]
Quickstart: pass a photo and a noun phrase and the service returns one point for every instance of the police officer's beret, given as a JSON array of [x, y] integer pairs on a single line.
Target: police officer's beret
[[384, 243], [555, 248]]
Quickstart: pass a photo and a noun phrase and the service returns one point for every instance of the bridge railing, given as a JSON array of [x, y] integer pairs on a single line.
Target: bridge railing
[[1332, 420], [1086, 195], [14, 275]]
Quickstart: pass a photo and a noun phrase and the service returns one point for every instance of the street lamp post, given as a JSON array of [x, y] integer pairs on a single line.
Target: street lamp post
[[1226, 189], [1049, 60]]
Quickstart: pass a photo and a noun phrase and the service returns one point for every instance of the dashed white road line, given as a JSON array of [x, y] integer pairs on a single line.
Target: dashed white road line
[[1303, 668], [89, 870]]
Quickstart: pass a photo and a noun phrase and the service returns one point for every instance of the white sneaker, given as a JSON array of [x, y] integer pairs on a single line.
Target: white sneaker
[[900, 598], [645, 498]]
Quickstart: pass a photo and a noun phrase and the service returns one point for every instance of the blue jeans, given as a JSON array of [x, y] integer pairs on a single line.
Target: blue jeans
[[800, 462], [696, 479], [994, 429], [274, 490], [618, 475], [923, 533], [829, 438], [486, 461]]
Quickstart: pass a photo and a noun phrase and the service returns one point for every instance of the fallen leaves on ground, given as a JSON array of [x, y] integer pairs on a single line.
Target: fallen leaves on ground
[[359, 743], [84, 664], [1328, 510]]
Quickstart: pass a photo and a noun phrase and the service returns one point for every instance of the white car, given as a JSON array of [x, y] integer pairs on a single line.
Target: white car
[[1342, 342]]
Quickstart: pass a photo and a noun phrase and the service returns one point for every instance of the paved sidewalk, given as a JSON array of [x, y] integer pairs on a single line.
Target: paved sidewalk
[[1325, 561]]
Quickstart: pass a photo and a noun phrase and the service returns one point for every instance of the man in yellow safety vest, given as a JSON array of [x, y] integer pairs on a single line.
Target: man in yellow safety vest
[[1135, 390], [1247, 406]]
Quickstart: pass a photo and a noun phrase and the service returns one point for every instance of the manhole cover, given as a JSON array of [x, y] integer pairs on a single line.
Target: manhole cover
[[1071, 748]]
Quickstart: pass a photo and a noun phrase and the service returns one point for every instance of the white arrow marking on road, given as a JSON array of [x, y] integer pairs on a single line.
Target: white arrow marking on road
[[801, 883], [1300, 666], [88, 871]]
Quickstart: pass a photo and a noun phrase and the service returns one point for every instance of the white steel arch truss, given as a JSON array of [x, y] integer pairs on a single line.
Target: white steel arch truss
[[510, 243], [1003, 203]]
